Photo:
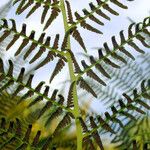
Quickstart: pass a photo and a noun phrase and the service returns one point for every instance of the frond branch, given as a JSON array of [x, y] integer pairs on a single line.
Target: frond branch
[[130, 39], [12, 79], [60, 53], [90, 13], [44, 3], [142, 94]]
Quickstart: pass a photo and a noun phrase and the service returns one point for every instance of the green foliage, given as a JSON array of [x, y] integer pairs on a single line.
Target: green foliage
[[32, 119]]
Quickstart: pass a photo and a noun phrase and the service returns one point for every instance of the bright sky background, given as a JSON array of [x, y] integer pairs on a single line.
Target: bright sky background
[[137, 10]]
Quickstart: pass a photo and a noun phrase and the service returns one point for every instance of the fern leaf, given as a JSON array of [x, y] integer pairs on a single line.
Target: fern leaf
[[20, 6], [120, 47], [4, 36], [55, 12], [36, 139], [45, 11], [17, 90], [16, 37], [47, 143], [91, 74], [140, 101], [142, 40], [57, 112], [95, 134], [59, 66], [39, 86], [98, 11], [65, 40], [6, 85], [26, 40], [48, 104], [1, 66], [50, 56], [115, 45], [104, 124], [70, 102], [113, 12], [63, 123], [27, 134], [76, 65], [55, 45], [28, 85], [132, 107], [11, 68], [24, 43], [15, 137], [34, 45], [86, 12], [36, 4], [87, 140], [119, 4], [25, 96], [36, 100], [114, 55], [85, 86], [41, 50], [99, 67], [136, 47], [85, 25], [106, 60], [70, 18], [29, 81], [33, 9], [30, 92], [18, 127], [29, 2], [114, 119], [143, 89], [78, 38]]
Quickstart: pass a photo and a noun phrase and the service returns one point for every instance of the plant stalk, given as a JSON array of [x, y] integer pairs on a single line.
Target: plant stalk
[[76, 110]]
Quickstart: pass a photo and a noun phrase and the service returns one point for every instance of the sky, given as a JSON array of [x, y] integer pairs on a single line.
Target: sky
[[137, 11]]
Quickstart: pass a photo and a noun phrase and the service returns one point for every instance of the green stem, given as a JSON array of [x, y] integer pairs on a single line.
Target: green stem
[[76, 110]]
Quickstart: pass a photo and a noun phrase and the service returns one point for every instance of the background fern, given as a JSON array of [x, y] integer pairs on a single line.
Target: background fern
[[29, 110]]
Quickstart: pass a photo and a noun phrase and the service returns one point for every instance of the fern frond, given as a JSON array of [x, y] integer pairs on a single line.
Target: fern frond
[[86, 25], [84, 85], [59, 66], [28, 85], [54, 14], [63, 123], [23, 5], [133, 132], [70, 96], [96, 9], [145, 24], [40, 98], [48, 104], [12, 136], [95, 134], [50, 57], [57, 112], [22, 33], [121, 111], [121, 81], [87, 140], [75, 33], [41, 50], [76, 65], [91, 74]]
